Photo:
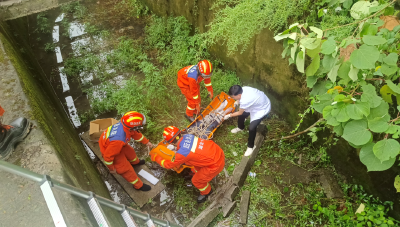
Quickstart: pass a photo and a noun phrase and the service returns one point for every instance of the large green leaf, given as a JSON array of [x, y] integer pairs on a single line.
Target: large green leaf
[[357, 132], [319, 88], [393, 129], [311, 80], [365, 57], [328, 62], [353, 73], [369, 29], [347, 4], [340, 112], [373, 40], [300, 61], [360, 9], [332, 75], [368, 158], [386, 149], [313, 53], [329, 46], [391, 59], [378, 124], [393, 87], [313, 67], [369, 95], [318, 31], [338, 129], [310, 43], [293, 51], [357, 110], [397, 183], [388, 69], [382, 111], [324, 100]]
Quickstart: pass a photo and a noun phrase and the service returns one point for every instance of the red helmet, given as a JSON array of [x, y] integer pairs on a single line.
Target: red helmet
[[170, 133], [133, 120], [205, 67]]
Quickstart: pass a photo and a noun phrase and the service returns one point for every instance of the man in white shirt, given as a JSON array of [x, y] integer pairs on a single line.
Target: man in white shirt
[[253, 103]]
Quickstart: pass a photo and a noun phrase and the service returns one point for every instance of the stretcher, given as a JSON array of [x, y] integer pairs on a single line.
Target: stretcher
[[203, 126]]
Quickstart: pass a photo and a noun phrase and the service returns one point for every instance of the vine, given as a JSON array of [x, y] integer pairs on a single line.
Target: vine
[[354, 79]]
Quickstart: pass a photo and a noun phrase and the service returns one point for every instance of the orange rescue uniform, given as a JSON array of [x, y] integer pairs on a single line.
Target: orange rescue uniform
[[206, 156], [118, 154], [189, 82]]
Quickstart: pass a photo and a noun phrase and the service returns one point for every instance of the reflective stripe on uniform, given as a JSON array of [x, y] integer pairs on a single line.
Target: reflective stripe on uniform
[[190, 68], [109, 163], [193, 149], [208, 84], [196, 97], [140, 139], [162, 163], [202, 189], [108, 132], [133, 160], [134, 182], [190, 108]]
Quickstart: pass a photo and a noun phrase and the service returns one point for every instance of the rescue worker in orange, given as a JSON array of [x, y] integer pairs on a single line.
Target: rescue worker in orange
[[206, 156], [118, 155], [189, 79]]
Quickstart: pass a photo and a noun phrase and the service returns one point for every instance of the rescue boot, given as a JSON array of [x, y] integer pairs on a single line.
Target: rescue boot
[[141, 162], [11, 134], [191, 119], [203, 198], [145, 188]]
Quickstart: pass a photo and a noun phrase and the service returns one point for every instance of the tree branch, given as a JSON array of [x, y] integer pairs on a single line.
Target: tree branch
[[299, 133], [357, 22]]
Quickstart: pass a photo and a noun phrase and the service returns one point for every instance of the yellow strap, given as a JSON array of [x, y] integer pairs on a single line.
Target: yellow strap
[[109, 163], [140, 139], [190, 108], [134, 160], [208, 84], [166, 133], [196, 97], [108, 132], [193, 149], [202, 189], [134, 182], [162, 163]]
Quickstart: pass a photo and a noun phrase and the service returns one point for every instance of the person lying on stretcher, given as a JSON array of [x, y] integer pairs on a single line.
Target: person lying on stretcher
[[206, 156]]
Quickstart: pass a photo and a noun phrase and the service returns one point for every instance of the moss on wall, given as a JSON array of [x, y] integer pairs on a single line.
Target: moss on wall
[[49, 113]]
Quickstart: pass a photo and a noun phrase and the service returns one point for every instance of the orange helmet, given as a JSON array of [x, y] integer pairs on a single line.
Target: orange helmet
[[170, 133], [133, 120], [205, 67]]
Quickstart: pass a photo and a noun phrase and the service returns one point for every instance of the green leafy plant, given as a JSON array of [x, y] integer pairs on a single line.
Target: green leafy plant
[[346, 76]]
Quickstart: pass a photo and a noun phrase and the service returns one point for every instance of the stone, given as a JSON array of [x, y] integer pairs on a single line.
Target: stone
[[331, 187], [244, 207], [205, 217], [232, 192], [228, 208], [241, 171]]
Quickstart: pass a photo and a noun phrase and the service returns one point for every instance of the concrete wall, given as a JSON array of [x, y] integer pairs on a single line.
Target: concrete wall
[[60, 154], [261, 65]]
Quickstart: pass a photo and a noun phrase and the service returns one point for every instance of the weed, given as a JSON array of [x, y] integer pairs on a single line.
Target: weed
[[43, 24], [50, 47]]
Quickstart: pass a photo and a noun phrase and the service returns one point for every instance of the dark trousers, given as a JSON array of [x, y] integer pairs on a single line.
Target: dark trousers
[[252, 127]]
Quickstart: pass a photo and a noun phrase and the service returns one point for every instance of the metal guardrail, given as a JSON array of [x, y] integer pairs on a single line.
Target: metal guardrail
[[39, 178]]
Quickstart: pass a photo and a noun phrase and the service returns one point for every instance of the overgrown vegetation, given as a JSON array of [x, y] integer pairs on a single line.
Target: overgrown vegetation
[[237, 21]]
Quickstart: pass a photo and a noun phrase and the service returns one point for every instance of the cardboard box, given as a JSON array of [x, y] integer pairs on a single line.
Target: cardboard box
[[97, 127]]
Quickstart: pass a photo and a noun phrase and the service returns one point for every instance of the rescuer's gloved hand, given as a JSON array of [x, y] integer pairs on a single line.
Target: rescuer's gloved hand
[[150, 145], [114, 171], [226, 117], [198, 108], [171, 147], [211, 93]]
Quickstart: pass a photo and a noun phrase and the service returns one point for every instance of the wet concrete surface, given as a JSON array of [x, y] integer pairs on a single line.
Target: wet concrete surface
[[21, 201]]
